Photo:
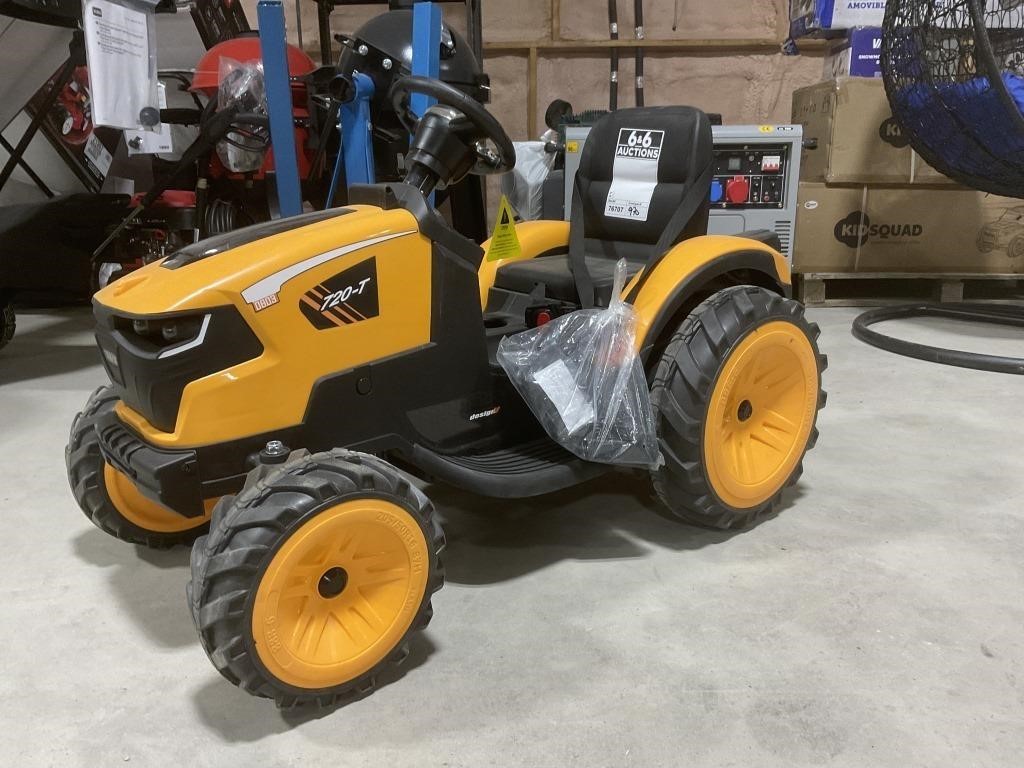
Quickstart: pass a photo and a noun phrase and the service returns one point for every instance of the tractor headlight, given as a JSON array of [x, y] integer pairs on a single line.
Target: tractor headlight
[[163, 333], [180, 329]]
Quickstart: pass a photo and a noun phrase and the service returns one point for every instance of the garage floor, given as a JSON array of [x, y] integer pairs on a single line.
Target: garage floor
[[877, 621]]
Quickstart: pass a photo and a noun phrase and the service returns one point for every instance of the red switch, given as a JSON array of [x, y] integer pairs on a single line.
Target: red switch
[[737, 190]]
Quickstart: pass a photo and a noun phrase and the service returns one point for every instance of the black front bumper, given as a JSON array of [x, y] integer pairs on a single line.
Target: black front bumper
[[181, 479], [170, 478]]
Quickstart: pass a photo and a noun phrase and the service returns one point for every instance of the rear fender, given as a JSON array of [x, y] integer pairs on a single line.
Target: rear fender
[[536, 238], [692, 270]]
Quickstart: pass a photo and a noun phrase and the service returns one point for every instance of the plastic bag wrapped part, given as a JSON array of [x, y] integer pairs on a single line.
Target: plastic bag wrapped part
[[583, 380], [242, 86], [524, 185]]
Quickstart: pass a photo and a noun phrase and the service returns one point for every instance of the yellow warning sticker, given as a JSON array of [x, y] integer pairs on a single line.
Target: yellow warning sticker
[[504, 240], [767, 128], [572, 146]]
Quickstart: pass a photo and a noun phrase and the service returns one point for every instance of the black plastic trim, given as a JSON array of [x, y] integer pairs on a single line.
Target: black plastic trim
[[211, 246], [432, 225], [755, 261], [170, 478], [518, 472]]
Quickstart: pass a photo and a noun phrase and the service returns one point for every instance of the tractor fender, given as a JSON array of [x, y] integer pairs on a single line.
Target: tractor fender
[[682, 278], [536, 238]]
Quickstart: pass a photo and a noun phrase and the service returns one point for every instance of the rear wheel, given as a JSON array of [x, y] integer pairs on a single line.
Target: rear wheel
[[313, 579], [7, 322], [736, 396], [110, 499]]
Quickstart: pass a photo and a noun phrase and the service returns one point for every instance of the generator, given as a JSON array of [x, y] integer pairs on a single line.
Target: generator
[[756, 178]]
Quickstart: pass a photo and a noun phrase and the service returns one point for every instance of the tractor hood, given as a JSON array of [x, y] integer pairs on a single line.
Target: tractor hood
[[249, 267]]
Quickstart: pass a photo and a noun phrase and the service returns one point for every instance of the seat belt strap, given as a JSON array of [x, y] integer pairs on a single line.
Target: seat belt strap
[[691, 203], [577, 252]]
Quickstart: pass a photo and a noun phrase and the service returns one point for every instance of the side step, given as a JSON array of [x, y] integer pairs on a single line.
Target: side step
[[529, 469]]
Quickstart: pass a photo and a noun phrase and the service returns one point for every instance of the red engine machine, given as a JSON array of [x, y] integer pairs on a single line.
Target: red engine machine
[[224, 180]]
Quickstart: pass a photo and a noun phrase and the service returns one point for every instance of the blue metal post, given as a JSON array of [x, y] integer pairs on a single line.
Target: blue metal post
[[270, 15], [426, 53], [426, 49]]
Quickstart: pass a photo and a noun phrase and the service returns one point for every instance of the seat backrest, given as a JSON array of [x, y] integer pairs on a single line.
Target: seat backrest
[[636, 170]]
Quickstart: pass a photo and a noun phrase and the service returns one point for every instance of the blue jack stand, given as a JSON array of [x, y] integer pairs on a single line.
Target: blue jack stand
[[355, 129]]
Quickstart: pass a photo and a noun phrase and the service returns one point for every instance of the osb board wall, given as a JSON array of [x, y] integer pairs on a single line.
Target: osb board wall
[[720, 55]]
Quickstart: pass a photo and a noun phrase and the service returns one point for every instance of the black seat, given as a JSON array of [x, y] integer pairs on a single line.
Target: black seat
[[642, 187]]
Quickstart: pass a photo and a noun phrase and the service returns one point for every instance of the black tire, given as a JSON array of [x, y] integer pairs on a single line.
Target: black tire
[[8, 323], [85, 466], [684, 381], [229, 564]]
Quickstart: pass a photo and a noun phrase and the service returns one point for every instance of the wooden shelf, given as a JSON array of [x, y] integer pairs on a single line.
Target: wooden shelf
[[761, 45]]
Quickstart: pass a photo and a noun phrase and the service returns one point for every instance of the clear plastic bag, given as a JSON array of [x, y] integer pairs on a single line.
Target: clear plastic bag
[[524, 184], [584, 382], [242, 86]]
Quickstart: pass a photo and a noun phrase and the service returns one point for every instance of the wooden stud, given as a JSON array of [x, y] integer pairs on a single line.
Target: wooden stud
[[531, 95], [813, 292], [951, 291]]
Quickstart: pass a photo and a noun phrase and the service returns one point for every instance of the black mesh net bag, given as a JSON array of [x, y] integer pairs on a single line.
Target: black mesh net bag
[[954, 73]]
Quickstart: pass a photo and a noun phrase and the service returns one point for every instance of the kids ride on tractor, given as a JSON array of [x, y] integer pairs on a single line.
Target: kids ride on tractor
[[277, 385]]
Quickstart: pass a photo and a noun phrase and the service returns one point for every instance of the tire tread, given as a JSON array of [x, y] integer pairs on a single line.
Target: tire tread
[[227, 563], [682, 385]]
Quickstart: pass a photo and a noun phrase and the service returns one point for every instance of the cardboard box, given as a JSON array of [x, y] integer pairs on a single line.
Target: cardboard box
[[907, 229], [830, 18], [859, 54], [854, 138]]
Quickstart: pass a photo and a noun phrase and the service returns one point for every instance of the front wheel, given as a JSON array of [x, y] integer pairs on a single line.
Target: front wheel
[[110, 499], [313, 579], [736, 396]]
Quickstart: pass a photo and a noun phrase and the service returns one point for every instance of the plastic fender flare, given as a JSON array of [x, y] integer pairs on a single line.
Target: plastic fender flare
[[658, 294], [536, 238]]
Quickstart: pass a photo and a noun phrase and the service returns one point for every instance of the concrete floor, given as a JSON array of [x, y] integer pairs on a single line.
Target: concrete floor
[[877, 621]]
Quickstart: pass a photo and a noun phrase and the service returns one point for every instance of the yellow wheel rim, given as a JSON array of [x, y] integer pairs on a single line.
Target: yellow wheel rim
[[144, 512], [761, 414], [340, 593]]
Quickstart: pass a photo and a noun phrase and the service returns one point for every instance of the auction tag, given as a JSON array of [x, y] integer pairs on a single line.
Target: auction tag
[[634, 173]]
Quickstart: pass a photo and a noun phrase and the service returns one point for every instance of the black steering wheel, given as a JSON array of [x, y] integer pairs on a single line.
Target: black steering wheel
[[500, 158]]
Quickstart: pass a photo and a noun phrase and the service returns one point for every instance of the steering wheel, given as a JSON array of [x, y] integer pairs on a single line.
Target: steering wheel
[[499, 159]]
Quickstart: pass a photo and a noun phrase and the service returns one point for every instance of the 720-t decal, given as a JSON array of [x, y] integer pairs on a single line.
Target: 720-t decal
[[348, 297]]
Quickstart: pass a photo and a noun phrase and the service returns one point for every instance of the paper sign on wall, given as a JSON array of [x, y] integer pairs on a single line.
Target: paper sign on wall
[[122, 63]]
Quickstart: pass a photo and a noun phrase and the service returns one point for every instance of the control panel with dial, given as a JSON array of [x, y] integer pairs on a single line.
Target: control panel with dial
[[750, 176]]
